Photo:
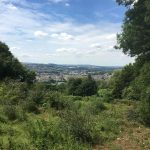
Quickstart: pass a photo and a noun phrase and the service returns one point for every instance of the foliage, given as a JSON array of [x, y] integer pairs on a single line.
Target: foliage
[[125, 2], [105, 95], [14, 113], [145, 107], [134, 39], [121, 80], [81, 127], [12, 68], [82, 87]]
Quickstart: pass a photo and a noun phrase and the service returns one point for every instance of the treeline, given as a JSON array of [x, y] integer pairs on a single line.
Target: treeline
[[133, 82]]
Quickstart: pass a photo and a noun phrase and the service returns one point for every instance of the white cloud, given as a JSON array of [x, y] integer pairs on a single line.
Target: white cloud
[[96, 45], [62, 36], [40, 34], [12, 7], [14, 48], [66, 50], [58, 1], [67, 4], [64, 41]]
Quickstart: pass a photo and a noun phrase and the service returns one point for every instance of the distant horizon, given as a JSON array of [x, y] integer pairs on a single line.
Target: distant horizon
[[70, 64]]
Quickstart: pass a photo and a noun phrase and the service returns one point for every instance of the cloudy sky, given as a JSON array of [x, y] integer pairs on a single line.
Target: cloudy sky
[[63, 31]]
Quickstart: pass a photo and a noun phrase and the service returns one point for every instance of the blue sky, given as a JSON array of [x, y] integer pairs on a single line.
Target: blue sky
[[63, 31]]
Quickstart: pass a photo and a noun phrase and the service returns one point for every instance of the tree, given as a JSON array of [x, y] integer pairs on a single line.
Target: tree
[[82, 87], [74, 86], [10, 67], [125, 2], [121, 80], [134, 39]]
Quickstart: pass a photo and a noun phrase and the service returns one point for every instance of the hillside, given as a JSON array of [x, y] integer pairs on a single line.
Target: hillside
[[55, 68], [43, 119], [75, 107]]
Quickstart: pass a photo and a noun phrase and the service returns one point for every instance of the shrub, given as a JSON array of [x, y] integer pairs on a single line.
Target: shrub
[[109, 128], [106, 95], [93, 107], [14, 113], [81, 127], [10, 112], [99, 106], [51, 136], [121, 80], [145, 107], [31, 107], [37, 93], [58, 101]]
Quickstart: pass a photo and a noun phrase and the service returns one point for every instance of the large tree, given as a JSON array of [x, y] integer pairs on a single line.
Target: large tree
[[10, 67], [135, 37], [135, 41]]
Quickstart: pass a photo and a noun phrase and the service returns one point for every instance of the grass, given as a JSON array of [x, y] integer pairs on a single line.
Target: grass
[[81, 124]]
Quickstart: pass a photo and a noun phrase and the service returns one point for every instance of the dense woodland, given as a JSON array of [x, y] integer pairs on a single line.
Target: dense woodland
[[81, 114]]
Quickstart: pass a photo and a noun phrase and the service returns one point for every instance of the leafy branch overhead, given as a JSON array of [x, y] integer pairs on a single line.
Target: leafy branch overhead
[[134, 39]]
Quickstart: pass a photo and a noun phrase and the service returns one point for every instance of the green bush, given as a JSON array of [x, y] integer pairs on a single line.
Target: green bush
[[51, 136], [92, 107], [57, 101], [129, 93], [145, 107], [121, 80], [31, 107], [81, 127], [14, 113], [10, 112], [105, 95], [109, 128]]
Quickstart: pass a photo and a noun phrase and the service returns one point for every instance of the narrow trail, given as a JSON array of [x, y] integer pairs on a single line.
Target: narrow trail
[[133, 138]]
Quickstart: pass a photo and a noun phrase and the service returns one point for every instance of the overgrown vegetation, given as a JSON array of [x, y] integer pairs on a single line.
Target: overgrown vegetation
[[133, 81], [81, 114]]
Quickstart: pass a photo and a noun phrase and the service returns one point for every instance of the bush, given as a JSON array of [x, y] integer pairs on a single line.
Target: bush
[[14, 113], [31, 107], [145, 107], [51, 136], [93, 107], [129, 93], [37, 93], [80, 127], [10, 112], [58, 101], [121, 80], [105, 95]]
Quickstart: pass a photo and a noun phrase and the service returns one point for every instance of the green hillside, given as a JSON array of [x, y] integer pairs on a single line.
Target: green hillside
[[81, 114]]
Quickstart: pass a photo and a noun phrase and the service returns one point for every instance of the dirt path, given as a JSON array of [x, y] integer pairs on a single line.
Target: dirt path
[[133, 138]]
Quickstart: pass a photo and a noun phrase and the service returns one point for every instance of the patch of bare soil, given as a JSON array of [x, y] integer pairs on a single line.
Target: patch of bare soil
[[132, 138]]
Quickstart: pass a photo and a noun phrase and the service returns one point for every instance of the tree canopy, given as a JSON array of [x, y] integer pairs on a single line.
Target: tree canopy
[[10, 67], [82, 87], [134, 39], [134, 81]]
